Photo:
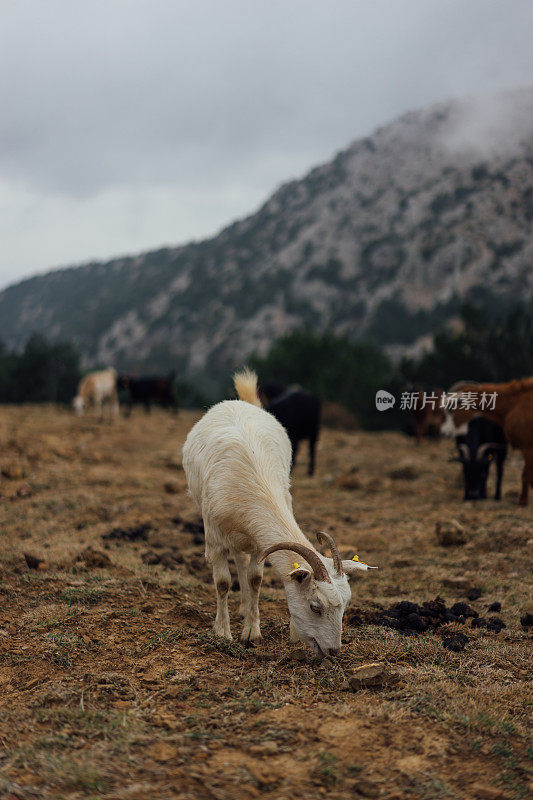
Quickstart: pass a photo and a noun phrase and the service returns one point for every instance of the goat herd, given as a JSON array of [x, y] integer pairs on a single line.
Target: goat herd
[[238, 458]]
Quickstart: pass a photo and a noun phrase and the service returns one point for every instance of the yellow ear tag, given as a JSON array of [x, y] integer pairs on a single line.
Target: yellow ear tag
[[295, 566], [356, 558]]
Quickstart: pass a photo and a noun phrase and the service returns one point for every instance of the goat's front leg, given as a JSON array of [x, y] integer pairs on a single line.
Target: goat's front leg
[[294, 636], [251, 631], [527, 477], [499, 476], [222, 579]]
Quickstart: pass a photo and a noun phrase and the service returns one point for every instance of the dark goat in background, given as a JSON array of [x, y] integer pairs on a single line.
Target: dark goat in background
[[483, 442], [145, 391], [299, 413]]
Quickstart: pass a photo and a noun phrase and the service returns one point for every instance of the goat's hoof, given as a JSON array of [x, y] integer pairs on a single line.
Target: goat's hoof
[[223, 634], [250, 641]]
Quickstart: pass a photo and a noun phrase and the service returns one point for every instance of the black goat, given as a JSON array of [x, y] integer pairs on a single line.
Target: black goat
[[145, 391], [483, 442], [298, 411]]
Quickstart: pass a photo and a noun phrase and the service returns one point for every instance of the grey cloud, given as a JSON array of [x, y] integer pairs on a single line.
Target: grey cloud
[[221, 100], [491, 125]]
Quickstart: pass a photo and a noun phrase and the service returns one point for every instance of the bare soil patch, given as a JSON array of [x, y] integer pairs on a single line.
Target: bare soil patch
[[113, 686]]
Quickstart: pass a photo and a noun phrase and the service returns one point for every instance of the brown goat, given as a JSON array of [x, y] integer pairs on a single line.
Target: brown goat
[[427, 413], [513, 411]]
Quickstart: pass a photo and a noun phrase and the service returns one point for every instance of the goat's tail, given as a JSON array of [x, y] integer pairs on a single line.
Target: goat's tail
[[245, 383]]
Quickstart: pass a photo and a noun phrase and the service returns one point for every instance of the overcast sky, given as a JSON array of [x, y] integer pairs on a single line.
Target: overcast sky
[[130, 124]]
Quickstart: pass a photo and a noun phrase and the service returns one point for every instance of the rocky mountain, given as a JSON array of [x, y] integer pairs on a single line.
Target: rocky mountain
[[384, 242]]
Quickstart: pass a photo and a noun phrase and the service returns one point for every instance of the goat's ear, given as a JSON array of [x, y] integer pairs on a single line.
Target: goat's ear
[[350, 567], [301, 575]]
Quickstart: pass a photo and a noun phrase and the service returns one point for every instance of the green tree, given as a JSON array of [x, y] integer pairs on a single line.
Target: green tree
[[42, 373], [348, 373], [7, 375], [487, 348]]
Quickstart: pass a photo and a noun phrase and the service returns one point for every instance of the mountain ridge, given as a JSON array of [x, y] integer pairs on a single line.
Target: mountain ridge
[[384, 241]]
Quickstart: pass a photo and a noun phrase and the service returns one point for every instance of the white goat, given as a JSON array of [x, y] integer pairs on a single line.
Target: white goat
[[237, 460]]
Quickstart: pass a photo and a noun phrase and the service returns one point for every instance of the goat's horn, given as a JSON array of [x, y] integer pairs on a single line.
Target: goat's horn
[[482, 449], [313, 559], [465, 452], [325, 538]]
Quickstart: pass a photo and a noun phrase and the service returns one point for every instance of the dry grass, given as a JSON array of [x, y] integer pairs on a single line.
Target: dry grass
[[112, 684]]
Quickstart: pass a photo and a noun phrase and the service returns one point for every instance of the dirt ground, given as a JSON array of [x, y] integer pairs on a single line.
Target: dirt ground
[[112, 684]]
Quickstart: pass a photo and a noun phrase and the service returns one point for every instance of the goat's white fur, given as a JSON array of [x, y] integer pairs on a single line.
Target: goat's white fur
[[237, 460], [449, 429]]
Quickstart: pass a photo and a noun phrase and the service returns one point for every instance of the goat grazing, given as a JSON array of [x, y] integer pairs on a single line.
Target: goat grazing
[[513, 411], [97, 389], [237, 460], [481, 443]]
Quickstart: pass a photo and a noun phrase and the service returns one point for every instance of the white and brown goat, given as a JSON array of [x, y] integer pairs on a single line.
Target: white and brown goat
[[97, 389]]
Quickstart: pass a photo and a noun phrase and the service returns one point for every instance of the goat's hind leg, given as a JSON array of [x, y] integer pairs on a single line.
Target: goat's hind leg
[[241, 562], [217, 556], [251, 631], [312, 448]]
